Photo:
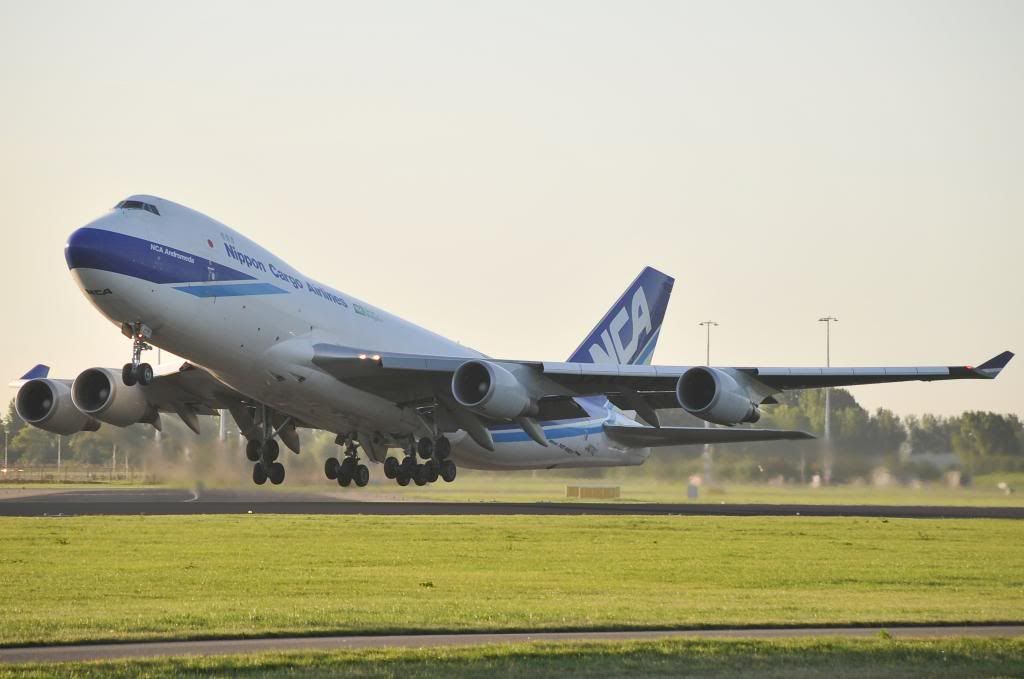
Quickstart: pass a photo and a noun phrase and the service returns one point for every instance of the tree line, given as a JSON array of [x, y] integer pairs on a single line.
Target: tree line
[[861, 441]]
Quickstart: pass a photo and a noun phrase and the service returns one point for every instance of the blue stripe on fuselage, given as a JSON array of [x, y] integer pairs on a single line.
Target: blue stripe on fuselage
[[232, 290], [90, 248], [561, 432]]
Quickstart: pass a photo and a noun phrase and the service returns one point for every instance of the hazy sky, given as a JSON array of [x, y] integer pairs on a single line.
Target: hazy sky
[[498, 172]]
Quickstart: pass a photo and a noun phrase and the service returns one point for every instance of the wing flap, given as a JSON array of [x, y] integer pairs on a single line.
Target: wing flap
[[650, 437]]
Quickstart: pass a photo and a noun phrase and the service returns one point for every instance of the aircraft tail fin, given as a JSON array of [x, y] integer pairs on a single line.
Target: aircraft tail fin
[[628, 333]]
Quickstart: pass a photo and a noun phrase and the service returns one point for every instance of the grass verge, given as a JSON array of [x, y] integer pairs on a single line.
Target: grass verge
[[112, 578], [790, 659]]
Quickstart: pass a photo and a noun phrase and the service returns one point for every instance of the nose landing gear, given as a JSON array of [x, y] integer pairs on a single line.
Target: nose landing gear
[[137, 372]]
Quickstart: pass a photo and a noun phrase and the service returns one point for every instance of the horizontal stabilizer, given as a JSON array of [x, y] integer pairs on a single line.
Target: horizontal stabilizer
[[36, 372], [651, 437], [33, 374]]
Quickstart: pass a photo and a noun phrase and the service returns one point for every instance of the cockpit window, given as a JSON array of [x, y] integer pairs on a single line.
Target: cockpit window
[[137, 205]]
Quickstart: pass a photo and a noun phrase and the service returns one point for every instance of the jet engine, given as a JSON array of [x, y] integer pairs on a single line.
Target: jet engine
[[491, 390], [100, 393], [715, 396], [47, 405]]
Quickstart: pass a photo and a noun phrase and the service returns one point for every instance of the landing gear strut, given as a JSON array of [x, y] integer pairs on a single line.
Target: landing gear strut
[[137, 372], [436, 453], [264, 451], [348, 469]]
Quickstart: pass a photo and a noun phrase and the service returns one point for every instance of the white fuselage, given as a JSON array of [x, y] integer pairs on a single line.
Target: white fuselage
[[219, 300]]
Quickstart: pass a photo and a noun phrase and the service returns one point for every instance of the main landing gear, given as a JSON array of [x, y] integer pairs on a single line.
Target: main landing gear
[[436, 453], [349, 469], [137, 372], [264, 451]]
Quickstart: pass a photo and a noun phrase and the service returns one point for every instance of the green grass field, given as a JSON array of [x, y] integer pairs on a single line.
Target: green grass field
[[92, 578], [797, 659]]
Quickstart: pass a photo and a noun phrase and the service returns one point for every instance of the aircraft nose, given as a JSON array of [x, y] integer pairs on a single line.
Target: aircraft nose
[[84, 249]]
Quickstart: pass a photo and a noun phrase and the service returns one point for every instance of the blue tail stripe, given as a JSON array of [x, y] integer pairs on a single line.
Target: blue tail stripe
[[628, 332]]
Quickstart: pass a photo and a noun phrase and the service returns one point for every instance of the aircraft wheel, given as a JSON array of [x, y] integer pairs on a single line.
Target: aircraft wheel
[[431, 469], [448, 471], [442, 448], [420, 475], [349, 464], [252, 450], [270, 450], [403, 478], [331, 468], [259, 474], [128, 375], [145, 374], [408, 465], [276, 473], [361, 475], [344, 476], [425, 448], [391, 468]]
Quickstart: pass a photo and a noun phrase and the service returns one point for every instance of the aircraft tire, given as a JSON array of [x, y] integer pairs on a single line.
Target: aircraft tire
[[420, 475], [145, 374], [270, 450], [408, 465], [276, 473], [448, 471], [425, 448], [403, 478], [331, 468], [348, 466], [344, 476], [252, 450], [442, 448], [431, 469], [128, 375], [361, 475], [391, 468], [259, 474]]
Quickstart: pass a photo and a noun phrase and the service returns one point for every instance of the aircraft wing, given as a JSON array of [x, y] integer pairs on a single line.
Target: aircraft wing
[[411, 378], [191, 387], [653, 437]]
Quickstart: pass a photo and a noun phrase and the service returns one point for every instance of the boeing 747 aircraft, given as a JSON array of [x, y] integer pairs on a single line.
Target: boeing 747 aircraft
[[279, 350]]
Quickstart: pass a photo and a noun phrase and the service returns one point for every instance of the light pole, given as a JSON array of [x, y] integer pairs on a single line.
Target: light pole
[[707, 354], [828, 321], [708, 460]]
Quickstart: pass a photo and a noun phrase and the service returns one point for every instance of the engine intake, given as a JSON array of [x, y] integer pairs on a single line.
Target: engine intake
[[714, 395], [47, 405], [100, 393], [491, 390]]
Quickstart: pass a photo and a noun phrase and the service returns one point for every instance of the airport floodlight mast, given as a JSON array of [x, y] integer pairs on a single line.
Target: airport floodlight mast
[[828, 321], [707, 425], [707, 354]]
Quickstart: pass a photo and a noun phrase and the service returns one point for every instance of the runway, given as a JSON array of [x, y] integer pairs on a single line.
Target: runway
[[166, 501], [87, 652]]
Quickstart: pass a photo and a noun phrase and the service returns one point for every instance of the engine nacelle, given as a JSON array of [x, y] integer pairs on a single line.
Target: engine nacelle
[[491, 390], [47, 405], [100, 393], [714, 395]]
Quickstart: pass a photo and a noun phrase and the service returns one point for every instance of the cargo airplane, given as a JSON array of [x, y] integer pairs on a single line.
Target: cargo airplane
[[280, 351]]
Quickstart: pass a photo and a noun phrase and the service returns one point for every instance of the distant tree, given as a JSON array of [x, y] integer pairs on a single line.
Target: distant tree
[[984, 438], [33, 447]]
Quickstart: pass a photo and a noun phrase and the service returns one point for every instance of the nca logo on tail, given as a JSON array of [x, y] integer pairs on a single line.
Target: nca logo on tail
[[613, 350]]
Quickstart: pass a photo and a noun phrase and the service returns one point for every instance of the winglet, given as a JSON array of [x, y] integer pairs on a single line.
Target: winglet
[[36, 372], [993, 366]]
